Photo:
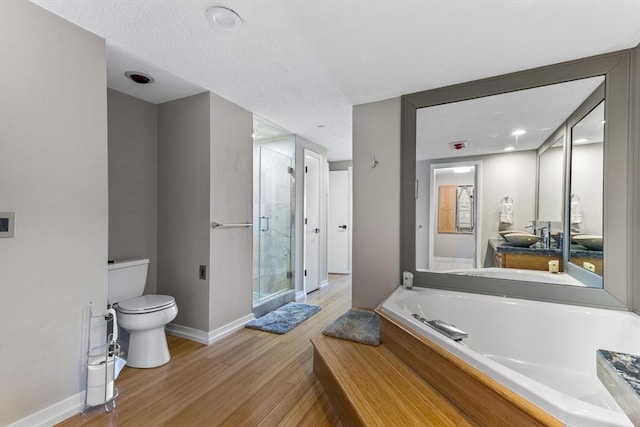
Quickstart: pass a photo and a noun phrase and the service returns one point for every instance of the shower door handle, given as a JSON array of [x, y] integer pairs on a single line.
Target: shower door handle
[[268, 227]]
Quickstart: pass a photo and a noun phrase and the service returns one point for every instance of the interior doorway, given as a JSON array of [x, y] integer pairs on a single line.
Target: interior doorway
[[453, 223], [312, 230], [339, 222]]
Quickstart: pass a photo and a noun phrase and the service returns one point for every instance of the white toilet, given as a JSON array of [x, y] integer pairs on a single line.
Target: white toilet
[[143, 316]]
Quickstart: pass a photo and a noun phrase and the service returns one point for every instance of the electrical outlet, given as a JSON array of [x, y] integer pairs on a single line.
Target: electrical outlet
[[203, 272]]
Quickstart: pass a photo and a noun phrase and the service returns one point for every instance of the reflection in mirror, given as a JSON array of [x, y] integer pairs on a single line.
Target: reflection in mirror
[[587, 160], [550, 179], [502, 136]]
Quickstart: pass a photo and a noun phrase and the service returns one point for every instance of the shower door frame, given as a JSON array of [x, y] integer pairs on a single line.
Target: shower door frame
[[263, 224]]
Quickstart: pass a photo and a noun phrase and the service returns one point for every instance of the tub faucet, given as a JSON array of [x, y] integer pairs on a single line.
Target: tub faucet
[[444, 328]]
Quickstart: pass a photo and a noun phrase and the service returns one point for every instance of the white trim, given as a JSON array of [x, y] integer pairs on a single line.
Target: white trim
[[301, 296], [188, 333], [324, 284], [53, 414], [210, 337]]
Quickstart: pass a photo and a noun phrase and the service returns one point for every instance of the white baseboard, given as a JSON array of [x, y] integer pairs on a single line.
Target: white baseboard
[[229, 328], [73, 405], [324, 284], [210, 337], [300, 296], [188, 333], [53, 414]]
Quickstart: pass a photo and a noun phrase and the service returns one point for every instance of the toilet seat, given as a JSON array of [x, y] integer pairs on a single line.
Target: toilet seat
[[145, 304]]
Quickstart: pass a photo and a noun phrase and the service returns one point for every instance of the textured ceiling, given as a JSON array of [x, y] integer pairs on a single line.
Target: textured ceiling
[[301, 63]]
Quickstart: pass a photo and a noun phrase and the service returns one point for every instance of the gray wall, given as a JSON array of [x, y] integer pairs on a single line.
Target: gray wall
[[635, 137], [183, 206], [53, 174], [505, 174], [133, 180], [231, 195], [205, 174], [376, 202]]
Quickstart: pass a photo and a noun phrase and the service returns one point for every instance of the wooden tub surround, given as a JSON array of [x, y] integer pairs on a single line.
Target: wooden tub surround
[[483, 399], [370, 386], [410, 381]]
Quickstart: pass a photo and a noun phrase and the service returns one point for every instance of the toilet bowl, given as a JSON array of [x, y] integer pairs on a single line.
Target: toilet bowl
[[142, 316]]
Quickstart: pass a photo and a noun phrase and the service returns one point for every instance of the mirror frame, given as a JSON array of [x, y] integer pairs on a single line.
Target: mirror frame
[[618, 197]]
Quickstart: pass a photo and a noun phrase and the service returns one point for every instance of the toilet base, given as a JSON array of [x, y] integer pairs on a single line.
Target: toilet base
[[148, 349]]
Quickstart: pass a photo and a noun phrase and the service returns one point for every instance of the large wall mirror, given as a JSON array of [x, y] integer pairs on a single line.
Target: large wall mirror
[[539, 150]]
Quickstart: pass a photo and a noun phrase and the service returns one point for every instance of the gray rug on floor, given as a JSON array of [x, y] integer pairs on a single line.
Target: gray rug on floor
[[285, 318], [361, 326]]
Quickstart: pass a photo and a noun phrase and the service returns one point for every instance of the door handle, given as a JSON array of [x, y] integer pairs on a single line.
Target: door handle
[[268, 223], [344, 227], [317, 231]]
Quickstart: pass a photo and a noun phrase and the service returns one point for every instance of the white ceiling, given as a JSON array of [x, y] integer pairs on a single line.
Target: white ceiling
[[302, 63], [487, 123]]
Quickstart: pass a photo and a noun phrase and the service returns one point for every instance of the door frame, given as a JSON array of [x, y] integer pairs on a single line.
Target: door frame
[[349, 221], [477, 200], [317, 156]]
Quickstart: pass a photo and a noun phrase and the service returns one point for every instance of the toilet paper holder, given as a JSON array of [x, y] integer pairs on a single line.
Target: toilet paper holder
[[102, 361]]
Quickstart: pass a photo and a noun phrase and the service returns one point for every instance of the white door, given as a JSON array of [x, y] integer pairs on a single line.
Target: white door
[[311, 221], [339, 232]]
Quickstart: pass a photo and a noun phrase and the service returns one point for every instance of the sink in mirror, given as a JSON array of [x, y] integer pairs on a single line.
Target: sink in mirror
[[589, 241], [505, 232], [587, 190], [522, 239]]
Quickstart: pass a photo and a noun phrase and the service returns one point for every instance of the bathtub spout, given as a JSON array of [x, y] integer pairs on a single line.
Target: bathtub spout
[[444, 328]]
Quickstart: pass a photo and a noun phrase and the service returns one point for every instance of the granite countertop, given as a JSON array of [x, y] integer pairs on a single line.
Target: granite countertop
[[502, 246], [620, 374]]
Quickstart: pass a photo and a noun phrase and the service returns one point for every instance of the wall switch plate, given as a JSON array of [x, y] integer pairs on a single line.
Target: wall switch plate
[[7, 224], [203, 272]]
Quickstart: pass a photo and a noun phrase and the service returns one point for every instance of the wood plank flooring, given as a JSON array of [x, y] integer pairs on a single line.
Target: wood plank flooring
[[250, 378]]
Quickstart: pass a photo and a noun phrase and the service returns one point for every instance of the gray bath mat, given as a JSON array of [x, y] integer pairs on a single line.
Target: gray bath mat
[[356, 325], [285, 318]]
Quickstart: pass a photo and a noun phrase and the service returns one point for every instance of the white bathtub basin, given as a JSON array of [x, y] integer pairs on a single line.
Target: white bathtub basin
[[543, 351]]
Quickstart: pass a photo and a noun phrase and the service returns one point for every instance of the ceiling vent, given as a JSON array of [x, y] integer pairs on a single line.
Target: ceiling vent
[[140, 78]]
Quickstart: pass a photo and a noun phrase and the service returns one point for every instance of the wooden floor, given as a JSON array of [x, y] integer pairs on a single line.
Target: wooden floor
[[250, 378]]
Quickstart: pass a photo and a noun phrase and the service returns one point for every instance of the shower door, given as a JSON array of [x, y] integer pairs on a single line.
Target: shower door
[[274, 225]]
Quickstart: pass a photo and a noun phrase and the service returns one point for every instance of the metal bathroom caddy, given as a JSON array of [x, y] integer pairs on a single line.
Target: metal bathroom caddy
[[101, 366]]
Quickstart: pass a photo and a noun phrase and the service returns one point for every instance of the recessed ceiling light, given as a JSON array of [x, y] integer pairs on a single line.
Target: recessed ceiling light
[[509, 148], [518, 132], [140, 78], [224, 18]]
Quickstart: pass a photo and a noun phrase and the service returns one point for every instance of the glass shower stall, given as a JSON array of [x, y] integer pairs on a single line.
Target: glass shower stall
[[273, 217]]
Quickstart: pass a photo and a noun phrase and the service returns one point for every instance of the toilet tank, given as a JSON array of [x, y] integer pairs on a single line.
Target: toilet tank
[[127, 278]]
